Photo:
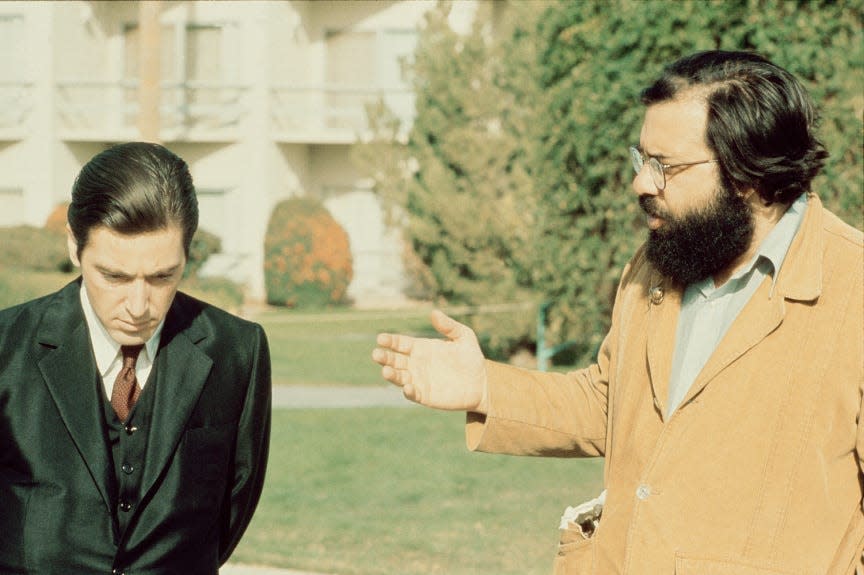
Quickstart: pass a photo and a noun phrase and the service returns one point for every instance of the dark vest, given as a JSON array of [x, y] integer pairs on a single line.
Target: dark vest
[[127, 445]]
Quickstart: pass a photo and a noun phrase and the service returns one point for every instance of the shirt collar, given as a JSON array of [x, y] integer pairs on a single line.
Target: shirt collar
[[776, 245], [770, 255], [105, 349]]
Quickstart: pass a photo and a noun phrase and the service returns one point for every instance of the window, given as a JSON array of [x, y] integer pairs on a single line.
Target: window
[[13, 66], [213, 211], [196, 67], [12, 206], [363, 66], [12, 46]]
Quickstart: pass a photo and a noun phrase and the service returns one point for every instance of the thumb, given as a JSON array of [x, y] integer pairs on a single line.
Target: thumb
[[449, 327]]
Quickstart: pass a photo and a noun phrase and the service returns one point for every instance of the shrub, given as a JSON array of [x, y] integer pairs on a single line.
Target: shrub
[[595, 57], [29, 247], [307, 257], [204, 244], [461, 179], [220, 292], [56, 220]]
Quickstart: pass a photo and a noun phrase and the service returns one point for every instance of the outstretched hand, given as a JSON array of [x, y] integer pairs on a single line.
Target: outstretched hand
[[441, 373]]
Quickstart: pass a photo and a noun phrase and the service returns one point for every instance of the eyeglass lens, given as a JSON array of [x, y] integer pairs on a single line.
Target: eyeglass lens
[[657, 174]]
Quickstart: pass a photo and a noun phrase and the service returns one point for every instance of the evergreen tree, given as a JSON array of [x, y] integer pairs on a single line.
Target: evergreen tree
[[515, 182], [595, 57], [462, 179]]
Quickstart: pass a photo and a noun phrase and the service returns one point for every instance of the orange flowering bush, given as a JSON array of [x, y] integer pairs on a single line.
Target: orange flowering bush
[[56, 221], [307, 256]]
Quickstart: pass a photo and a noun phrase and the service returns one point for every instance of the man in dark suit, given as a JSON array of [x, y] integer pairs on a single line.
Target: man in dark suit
[[134, 419]]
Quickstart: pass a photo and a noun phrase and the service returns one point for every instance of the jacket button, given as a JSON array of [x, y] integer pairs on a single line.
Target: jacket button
[[130, 429], [643, 492], [125, 506], [127, 468]]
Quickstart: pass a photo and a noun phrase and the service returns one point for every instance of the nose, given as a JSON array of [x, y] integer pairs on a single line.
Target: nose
[[137, 299], [643, 183]]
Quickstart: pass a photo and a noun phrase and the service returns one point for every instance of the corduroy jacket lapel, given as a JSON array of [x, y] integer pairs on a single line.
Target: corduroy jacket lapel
[[800, 279]]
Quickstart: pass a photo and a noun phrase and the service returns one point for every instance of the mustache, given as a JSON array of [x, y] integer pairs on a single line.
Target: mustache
[[650, 206]]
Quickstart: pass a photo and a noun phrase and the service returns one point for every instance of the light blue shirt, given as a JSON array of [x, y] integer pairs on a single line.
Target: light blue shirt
[[708, 311]]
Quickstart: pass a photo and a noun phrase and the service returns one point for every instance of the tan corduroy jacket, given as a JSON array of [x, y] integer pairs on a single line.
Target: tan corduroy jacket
[[758, 472]]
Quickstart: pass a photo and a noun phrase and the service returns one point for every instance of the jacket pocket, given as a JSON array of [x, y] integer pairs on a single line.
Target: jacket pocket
[[693, 566], [204, 460], [575, 554]]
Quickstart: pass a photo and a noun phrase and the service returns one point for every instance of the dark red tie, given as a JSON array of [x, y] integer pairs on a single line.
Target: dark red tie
[[126, 389]]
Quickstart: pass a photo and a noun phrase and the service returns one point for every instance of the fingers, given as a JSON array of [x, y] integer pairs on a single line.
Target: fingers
[[396, 342], [449, 327], [399, 377], [390, 358], [410, 393]]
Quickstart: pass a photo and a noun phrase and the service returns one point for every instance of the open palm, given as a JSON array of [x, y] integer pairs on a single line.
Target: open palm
[[441, 373]]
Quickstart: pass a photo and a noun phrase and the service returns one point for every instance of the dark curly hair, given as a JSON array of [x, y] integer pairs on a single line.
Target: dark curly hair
[[761, 121]]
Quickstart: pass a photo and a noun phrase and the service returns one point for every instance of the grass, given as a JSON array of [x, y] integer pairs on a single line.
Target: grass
[[332, 347], [390, 491], [17, 285], [383, 491]]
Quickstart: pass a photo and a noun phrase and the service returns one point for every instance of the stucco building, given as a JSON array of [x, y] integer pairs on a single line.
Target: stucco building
[[263, 99]]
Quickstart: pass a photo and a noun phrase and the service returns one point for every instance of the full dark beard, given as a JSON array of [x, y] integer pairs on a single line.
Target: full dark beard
[[700, 244]]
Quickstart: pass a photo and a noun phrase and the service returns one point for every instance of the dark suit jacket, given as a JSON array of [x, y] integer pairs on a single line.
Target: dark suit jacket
[[204, 461]]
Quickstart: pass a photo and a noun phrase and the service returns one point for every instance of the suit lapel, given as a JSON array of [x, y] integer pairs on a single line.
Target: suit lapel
[[69, 371], [181, 372]]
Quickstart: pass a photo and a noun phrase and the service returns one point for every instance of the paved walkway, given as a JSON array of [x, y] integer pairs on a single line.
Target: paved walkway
[[311, 397], [307, 396], [230, 569]]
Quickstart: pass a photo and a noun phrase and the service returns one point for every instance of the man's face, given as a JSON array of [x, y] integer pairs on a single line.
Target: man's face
[[131, 280], [698, 228]]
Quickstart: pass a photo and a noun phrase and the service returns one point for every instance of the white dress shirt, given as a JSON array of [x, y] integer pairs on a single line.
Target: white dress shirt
[[109, 360]]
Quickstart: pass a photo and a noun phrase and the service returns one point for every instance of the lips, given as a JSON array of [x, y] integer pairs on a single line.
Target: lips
[[654, 222], [134, 327]]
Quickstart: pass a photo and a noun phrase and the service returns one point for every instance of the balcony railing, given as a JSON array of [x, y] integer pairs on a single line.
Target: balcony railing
[[207, 112], [188, 111], [331, 112], [15, 105]]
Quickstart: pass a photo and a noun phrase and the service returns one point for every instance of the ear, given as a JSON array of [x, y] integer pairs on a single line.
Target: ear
[[72, 246]]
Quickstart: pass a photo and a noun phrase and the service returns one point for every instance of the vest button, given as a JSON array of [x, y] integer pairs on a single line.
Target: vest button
[[127, 468], [125, 506], [644, 492]]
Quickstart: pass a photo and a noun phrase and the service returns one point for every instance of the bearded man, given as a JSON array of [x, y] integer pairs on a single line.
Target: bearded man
[[727, 396]]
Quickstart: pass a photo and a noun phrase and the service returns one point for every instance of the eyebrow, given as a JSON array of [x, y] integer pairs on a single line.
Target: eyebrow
[[121, 274], [658, 156]]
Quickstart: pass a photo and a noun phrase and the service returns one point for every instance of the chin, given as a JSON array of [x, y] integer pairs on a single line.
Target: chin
[[124, 338]]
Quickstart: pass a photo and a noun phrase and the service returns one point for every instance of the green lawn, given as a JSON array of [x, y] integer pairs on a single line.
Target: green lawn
[[385, 491], [333, 347], [393, 491], [17, 286]]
